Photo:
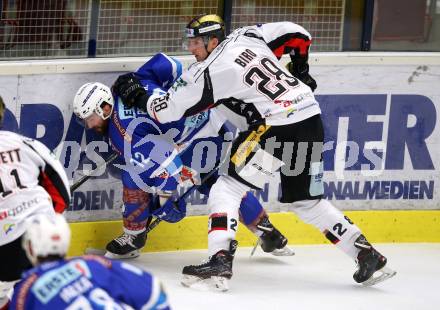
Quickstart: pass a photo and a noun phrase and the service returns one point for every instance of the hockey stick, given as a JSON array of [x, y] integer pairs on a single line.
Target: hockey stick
[[188, 192], [157, 221], [83, 179]]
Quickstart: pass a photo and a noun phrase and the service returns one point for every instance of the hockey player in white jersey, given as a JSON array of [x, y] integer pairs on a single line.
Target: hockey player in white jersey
[[32, 182], [243, 73], [157, 75]]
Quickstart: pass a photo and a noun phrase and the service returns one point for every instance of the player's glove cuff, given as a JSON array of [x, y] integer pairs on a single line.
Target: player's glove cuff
[[171, 211], [309, 81], [301, 72]]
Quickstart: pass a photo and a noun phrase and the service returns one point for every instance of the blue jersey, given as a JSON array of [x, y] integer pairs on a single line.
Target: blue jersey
[[166, 154], [88, 282], [145, 139], [152, 150]]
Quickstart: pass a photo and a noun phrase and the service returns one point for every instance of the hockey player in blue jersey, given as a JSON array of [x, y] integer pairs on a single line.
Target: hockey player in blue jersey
[[159, 157], [87, 282]]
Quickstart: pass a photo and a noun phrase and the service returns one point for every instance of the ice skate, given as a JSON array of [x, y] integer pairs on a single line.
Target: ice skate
[[371, 264], [126, 246], [272, 240], [214, 274]]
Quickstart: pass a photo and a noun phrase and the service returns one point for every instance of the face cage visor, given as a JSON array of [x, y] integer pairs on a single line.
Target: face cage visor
[[97, 114], [189, 43]]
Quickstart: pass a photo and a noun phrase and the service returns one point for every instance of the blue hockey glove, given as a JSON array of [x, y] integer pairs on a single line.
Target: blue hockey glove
[[172, 211]]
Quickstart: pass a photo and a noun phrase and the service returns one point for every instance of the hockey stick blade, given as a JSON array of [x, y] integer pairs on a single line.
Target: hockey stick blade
[[83, 179]]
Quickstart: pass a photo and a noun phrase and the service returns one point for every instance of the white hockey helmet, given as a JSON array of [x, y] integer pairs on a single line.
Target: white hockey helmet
[[46, 234], [90, 98]]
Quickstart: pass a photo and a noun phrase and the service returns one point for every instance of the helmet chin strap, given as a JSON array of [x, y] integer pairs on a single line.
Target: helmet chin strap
[[206, 42], [103, 116]]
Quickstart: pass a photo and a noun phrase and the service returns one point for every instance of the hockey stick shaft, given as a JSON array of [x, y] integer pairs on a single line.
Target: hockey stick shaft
[[190, 190], [83, 179]]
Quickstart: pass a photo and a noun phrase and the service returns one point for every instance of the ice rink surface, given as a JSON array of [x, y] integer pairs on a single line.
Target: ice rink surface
[[317, 277]]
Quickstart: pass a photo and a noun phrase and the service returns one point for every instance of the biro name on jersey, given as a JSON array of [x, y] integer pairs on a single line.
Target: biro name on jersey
[[245, 58]]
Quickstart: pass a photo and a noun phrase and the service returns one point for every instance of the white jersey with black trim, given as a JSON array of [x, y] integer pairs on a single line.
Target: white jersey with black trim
[[31, 182], [244, 74]]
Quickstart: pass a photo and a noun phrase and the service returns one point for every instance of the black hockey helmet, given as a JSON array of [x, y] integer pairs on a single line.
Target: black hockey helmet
[[206, 25]]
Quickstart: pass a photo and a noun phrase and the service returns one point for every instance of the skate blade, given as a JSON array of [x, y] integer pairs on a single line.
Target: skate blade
[[286, 251], [218, 284], [255, 247], [384, 274], [132, 254]]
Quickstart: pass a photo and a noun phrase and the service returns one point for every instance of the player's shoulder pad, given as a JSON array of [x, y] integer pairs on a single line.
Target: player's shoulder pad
[[38, 147], [5, 134], [50, 161]]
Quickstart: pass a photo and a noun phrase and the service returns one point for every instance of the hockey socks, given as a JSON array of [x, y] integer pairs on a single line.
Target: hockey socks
[[224, 201], [336, 227], [342, 232]]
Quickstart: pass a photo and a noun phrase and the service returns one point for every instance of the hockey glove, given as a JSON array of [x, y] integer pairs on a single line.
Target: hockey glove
[[301, 72], [172, 211], [130, 90]]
